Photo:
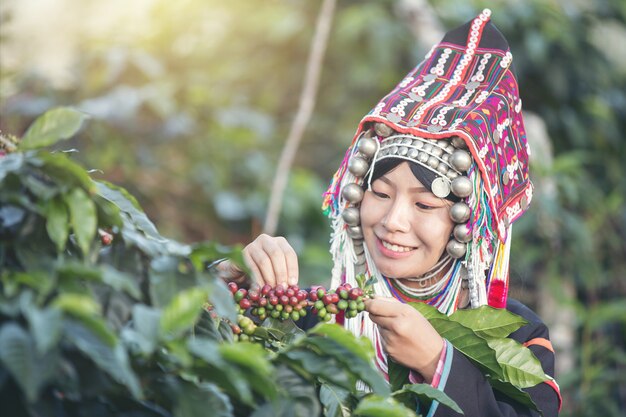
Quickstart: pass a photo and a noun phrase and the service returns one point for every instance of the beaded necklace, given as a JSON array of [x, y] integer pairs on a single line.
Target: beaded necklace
[[444, 294]]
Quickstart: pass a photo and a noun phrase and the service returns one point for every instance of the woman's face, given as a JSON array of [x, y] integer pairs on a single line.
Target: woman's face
[[405, 226]]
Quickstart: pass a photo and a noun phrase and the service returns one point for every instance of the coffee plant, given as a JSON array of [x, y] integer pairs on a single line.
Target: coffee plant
[[100, 315]]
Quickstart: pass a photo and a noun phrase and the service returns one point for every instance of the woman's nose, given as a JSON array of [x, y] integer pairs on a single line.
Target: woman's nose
[[396, 219]]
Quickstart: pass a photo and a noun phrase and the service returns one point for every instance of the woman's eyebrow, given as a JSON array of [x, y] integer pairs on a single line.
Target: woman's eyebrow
[[420, 189]]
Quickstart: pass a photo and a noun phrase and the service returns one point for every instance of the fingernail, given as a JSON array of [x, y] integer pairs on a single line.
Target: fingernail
[[293, 280]]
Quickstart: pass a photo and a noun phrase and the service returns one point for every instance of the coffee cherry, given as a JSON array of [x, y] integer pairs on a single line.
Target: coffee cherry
[[253, 295], [266, 289], [233, 287], [273, 300], [244, 303], [279, 290], [342, 304]]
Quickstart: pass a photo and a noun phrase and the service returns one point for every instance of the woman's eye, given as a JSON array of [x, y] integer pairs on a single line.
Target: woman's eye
[[380, 195], [424, 206]]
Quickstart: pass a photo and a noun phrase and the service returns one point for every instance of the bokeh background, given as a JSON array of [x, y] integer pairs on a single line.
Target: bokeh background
[[191, 102]]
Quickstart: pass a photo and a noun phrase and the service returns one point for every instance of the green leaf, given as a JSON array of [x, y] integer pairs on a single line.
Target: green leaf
[[359, 346], [45, 326], [462, 338], [202, 399], [113, 360], [54, 125], [519, 365], [487, 321], [10, 163], [514, 393], [88, 311], [65, 172], [334, 399], [398, 374], [230, 377], [322, 366], [428, 393], [363, 368], [17, 354], [57, 222], [83, 218], [182, 312], [377, 406], [145, 331], [252, 360]]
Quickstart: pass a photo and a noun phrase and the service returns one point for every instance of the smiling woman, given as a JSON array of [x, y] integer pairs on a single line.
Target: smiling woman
[[424, 201]]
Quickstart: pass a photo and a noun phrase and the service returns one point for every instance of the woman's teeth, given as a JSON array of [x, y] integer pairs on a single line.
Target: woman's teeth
[[396, 248]]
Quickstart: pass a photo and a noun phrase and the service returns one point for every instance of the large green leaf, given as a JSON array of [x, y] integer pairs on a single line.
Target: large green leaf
[[82, 217], [358, 346], [398, 374], [519, 364], [17, 353], [299, 396], [322, 366], [223, 373], [112, 360], [57, 222], [194, 400], [144, 333], [487, 321], [65, 172], [12, 162], [462, 338], [364, 369], [88, 311], [52, 126], [377, 406], [45, 326], [334, 399], [427, 393], [252, 360], [182, 312]]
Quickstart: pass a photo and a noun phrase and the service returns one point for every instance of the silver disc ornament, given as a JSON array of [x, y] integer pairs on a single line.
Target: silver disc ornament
[[440, 187]]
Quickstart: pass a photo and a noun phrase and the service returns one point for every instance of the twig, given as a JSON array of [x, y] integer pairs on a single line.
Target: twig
[[305, 109]]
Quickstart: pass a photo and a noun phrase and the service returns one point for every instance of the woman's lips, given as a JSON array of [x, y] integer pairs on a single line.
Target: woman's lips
[[391, 250]]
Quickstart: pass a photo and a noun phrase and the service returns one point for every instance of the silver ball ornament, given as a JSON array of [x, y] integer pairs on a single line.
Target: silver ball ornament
[[460, 212], [458, 143], [367, 146], [353, 193], [358, 166], [383, 130], [462, 233], [456, 249], [351, 216], [461, 187], [460, 160], [355, 232]]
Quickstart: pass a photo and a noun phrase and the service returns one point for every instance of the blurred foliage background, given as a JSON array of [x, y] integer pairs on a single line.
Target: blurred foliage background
[[191, 102]]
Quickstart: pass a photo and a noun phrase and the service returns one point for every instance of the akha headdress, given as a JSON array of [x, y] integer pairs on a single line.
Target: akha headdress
[[458, 113]]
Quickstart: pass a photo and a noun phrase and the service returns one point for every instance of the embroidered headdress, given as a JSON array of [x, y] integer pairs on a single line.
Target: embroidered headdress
[[458, 113]]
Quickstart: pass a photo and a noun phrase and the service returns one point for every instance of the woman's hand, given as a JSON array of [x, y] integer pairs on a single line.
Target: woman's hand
[[408, 337], [271, 259]]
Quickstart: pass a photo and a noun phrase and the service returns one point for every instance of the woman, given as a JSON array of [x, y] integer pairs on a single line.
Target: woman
[[424, 200]]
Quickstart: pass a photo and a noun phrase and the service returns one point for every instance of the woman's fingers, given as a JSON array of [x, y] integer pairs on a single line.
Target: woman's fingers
[[383, 306], [272, 260]]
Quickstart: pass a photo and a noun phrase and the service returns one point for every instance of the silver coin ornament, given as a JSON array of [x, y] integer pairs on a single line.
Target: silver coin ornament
[[353, 193], [460, 212], [462, 233], [460, 160], [383, 130], [359, 249], [351, 216], [456, 249], [458, 143], [358, 166], [367, 146], [440, 187], [461, 187], [355, 232]]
